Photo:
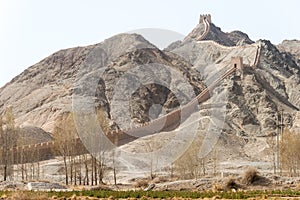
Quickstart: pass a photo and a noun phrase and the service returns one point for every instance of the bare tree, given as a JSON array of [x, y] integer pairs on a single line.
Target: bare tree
[[290, 152], [102, 152], [189, 165], [8, 135], [272, 141], [65, 135], [215, 161], [74, 155], [151, 146]]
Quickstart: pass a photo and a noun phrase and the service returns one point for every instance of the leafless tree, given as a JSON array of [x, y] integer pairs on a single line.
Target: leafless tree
[[290, 152], [8, 138], [78, 165], [65, 135], [189, 164]]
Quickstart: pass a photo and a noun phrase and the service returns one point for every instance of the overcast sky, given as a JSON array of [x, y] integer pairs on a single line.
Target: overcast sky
[[33, 29]]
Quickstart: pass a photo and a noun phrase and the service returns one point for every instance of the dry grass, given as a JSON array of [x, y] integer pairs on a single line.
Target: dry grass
[[141, 183], [28, 196], [159, 179], [298, 186], [217, 187], [98, 187]]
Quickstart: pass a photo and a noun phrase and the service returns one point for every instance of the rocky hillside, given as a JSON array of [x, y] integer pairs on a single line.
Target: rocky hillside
[[291, 47], [254, 96], [233, 38], [44, 91], [32, 135], [254, 101]]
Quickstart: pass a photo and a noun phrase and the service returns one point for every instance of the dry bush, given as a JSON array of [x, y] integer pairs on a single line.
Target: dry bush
[[141, 183], [144, 198], [98, 187], [298, 186], [111, 197], [230, 184], [250, 176], [217, 187], [159, 179], [189, 165]]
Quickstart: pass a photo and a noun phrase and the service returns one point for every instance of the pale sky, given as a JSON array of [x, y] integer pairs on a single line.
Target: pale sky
[[33, 29]]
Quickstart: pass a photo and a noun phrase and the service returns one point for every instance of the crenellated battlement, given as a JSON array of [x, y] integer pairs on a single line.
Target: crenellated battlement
[[206, 17]]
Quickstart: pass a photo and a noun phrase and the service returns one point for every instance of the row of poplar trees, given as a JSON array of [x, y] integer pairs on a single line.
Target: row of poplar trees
[[16, 163], [8, 140], [79, 166]]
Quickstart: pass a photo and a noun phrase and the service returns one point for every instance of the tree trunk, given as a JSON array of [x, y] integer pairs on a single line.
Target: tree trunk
[[92, 172], [115, 176], [87, 173], [5, 172], [71, 170], [95, 170], [66, 170]]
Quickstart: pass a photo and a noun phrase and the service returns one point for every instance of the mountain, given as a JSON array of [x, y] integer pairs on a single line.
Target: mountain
[[44, 91], [118, 70]]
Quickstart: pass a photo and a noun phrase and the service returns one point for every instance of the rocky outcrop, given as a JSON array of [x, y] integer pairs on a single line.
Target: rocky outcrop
[[33, 135], [150, 100], [290, 46], [239, 38], [235, 38]]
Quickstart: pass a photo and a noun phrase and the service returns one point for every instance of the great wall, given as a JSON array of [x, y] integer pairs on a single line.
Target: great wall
[[173, 119]]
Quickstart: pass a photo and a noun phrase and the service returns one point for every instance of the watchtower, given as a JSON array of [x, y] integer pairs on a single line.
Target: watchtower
[[237, 62], [205, 17]]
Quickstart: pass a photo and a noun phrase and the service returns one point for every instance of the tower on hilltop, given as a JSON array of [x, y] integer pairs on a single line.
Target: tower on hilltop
[[205, 17]]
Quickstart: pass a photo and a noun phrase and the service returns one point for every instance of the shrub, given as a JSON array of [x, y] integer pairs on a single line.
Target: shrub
[[250, 176], [159, 179], [230, 184]]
